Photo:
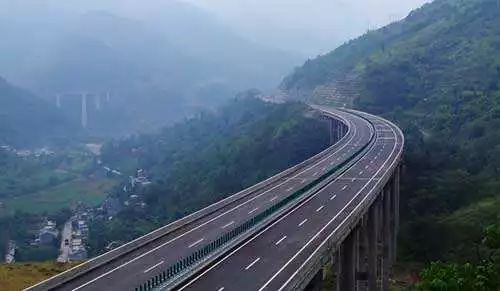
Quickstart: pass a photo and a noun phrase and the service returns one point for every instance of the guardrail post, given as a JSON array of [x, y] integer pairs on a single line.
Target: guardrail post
[[348, 261]]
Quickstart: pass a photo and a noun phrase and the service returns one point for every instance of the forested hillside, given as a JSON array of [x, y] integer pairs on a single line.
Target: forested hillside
[[204, 159], [437, 73], [26, 119]]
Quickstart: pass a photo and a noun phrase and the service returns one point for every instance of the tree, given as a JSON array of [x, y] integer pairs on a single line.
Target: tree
[[457, 277]]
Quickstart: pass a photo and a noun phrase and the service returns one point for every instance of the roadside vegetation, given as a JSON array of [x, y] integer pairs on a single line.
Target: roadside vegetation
[[17, 276]]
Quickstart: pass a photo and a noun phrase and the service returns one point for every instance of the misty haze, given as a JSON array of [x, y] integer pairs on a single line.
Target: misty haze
[[249, 145]]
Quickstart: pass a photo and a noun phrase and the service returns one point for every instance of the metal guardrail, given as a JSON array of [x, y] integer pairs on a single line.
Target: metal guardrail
[[181, 267]]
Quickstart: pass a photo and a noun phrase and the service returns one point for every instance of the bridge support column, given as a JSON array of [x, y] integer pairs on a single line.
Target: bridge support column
[[317, 282], [336, 269], [58, 100], [348, 251], [333, 137], [373, 239], [387, 237], [362, 267], [84, 110], [97, 100], [339, 130], [395, 205]]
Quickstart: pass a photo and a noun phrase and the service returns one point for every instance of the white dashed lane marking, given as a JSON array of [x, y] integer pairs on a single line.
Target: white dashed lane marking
[[252, 263]]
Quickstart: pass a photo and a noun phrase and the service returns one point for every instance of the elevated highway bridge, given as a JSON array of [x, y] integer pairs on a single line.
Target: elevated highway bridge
[[337, 213]]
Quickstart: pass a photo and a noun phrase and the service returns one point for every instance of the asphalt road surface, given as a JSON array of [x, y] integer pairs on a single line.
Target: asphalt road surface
[[277, 254]]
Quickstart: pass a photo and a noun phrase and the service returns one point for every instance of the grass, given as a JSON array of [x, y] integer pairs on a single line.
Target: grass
[[18, 276], [89, 191]]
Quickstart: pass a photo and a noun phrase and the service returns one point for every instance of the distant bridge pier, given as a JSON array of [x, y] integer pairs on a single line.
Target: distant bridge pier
[[84, 119], [97, 101], [58, 100]]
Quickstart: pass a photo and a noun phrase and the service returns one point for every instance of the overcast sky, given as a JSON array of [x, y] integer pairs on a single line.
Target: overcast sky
[[309, 26]]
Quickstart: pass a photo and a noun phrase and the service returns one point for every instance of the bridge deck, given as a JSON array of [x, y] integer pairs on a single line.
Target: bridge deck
[[133, 268], [273, 258]]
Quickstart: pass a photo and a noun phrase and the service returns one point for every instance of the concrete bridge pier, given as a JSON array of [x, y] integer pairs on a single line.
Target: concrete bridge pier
[[387, 237], [348, 262], [337, 130], [58, 101], [395, 205], [362, 258], [372, 228], [317, 283], [333, 135], [84, 119]]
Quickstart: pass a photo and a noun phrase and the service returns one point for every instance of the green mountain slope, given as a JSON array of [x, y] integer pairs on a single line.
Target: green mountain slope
[[26, 119], [437, 73]]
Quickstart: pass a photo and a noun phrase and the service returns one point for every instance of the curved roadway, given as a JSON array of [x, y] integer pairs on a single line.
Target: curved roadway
[[269, 258], [274, 257]]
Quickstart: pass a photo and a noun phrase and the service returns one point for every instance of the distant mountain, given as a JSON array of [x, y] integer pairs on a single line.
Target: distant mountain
[[161, 65], [26, 120]]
